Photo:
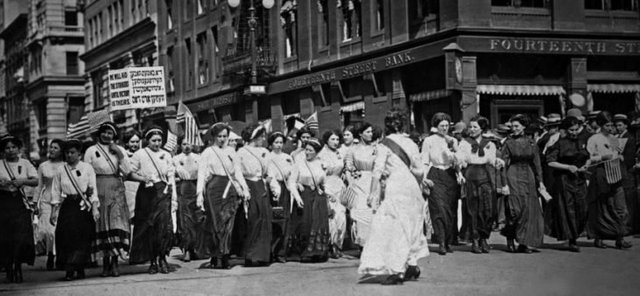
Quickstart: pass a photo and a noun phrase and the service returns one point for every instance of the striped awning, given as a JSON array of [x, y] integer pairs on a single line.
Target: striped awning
[[357, 106], [430, 95], [527, 90], [613, 88]]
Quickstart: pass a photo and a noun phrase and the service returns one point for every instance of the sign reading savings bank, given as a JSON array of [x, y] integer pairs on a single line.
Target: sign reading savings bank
[[137, 88]]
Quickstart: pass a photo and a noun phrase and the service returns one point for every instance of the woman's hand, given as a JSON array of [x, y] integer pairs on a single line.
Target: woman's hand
[[499, 164], [200, 201], [572, 168], [246, 194], [298, 200], [428, 183], [505, 190], [95, 213], [174, 206], [300, 187], [541, 186], [54, 217]]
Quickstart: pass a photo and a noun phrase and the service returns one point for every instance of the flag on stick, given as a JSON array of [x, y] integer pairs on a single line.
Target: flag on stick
[[172, 142], [312, 121], [191, 134]]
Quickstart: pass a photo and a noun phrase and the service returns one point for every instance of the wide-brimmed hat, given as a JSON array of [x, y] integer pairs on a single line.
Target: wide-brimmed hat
[[593, 114], [621, 117], [553, 120]]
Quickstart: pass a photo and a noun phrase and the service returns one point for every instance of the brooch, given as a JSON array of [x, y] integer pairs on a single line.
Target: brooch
[[162, 156]]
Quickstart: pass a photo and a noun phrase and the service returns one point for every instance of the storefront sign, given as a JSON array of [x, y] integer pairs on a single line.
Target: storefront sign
[[550, 46], [137, 88], [214, 102]]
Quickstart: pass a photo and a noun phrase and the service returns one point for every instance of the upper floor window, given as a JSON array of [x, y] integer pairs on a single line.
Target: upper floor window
[[323, 23], [169, 4], [351, 18], [378, 15], [202, 6], [628, 5], [72, 63], [70, 17], [421, 9], [203, 61], [170, 74], [521, 3], [288, 15]]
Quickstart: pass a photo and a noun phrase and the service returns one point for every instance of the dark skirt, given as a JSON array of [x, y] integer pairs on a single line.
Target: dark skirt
[[190, 217], [113, 227], [523, 210], [309, 231], [16, 230], [443, 204], [566, 213], [220, 216], [480, 204], [607, 208], [152, 224], [75, 232], [257, 247], [281, 219]]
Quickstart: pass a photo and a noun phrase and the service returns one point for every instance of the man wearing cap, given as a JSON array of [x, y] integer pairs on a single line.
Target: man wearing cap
[[583, 133], [592, 126], [547, 140], [628, 145]]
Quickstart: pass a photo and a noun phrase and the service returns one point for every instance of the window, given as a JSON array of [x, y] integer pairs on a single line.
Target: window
[[116, 19], [202, 5], [110, 22], [351, 19], [288, 16], [100, 30], [90, 33], [170, 74], [323, 23], [378, 15], [203, 62], [70, 17], [217, 64], [134, 12], [121, 12], [72, 63], [100, 88], [75, 109], [628, 5], [189, 63], [188, 9], [520, 3], [421, 9], [169, 4]]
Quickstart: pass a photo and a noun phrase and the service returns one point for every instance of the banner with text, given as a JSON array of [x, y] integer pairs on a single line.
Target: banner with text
[[137, 88]]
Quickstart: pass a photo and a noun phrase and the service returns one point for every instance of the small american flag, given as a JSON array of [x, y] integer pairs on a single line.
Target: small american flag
[[191, 134], [612, 171], [312, 121], [172, 142]]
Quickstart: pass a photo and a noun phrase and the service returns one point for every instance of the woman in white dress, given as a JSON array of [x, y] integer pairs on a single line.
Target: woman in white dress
[[333, 163]]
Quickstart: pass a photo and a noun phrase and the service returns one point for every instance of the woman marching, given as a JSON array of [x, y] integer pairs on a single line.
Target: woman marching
[[478, 155], [359, 164], [254, 159], [75, 211], [333, 163], [279, 169], [396, 241], [155, 202], [310, 237], [567, 215], [524, 221], [16, 230], [189, 216], [110, 164], [607, 208], [132, 143], [220, 188], [45, 231], [349, 139], [438, 154]]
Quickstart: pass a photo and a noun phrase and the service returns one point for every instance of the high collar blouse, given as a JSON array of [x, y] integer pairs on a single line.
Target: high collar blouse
[[332, 160], [21, 169], [465, 153], [279, 166], [216, 161], [188, 163], [98, 155], [84, 176], [436, 152], [46, 171], [361, 157], [253, 162], [308, 173]]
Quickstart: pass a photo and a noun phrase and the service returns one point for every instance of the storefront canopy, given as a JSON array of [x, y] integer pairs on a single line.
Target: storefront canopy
[[527, 90], [613, 88], [357, 106], [429, 95]]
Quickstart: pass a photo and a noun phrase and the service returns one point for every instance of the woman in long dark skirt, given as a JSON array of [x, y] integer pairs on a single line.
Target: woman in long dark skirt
[[524, 221], [75, 210], [253, 159], [16, 230], [189, 216], [155, 201], [438, 154], [279, 170], [478, 155], [309, 236], [607, 209], [566, 214], [220, 189]]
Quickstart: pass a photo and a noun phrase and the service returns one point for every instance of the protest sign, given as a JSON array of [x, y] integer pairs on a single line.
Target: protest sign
[[137, 88]]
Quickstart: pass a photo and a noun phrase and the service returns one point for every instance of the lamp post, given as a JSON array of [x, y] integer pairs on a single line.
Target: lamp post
[[254, 88]]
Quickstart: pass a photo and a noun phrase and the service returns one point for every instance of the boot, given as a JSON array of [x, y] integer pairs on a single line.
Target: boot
[[622, 244], [393, 279], [598, 243], [106, 266], [448, 248], [80, 273], [573, 246], [224, 264], [17, 273], [511, 245], [475, 248], [441, 249], [484, 246], [115, 271], [68, 275], [412, 273], [164, 268], [50, 261], [153, 267]]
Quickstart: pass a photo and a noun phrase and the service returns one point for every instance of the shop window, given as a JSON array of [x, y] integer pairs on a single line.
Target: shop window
[[72, 63], [169, 4], [203, 62], [378, 15], [625, 5], [75, 109], [288, 18], [70, 17], [323, 23], [421, 9], [170, 73], [351, 19], [520, 3]]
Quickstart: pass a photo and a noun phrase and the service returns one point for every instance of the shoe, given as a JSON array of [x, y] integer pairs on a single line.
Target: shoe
[[475, 248], [393, 279], [574, 248], [441, 250], [622, 244], [68, 277], [50, 261], [17, 273], [80, 274], [281, 259], [524, 249], [484, 246], [115, 271], [187, 256], [249, 263], [412, 273], [224, 262], [106, 266], [448, 248], [598, 243], [164, 268], [511, 246], [153, 267]]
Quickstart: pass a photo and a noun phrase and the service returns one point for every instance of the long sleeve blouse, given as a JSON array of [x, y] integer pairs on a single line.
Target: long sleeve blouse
[[521, 149], [22, 169], [466, 154], [216, 161], [253, 162], [307, 173], [332, 160], [600, 146], [99, 155], [46, 171], [360, 157], [188, 164], [62, 186], [155, 165], [437, 153]]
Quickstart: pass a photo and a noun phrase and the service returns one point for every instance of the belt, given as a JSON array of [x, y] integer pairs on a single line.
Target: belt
[[441, 167]]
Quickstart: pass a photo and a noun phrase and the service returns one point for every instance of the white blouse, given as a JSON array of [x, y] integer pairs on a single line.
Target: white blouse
[[436, 152], [188, 164], [22, 169], [253, 161], [84, 176], [279, 166], [141, 163], [216, 161], [600, 145], [466, 155], [97, 158]]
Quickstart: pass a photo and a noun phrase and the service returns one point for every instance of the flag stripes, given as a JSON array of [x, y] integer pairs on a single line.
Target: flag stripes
[[312, 121], [612, 171], [172, 142], [191, 134]]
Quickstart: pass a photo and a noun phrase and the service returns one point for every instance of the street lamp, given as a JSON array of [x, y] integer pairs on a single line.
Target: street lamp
[[254, 88]]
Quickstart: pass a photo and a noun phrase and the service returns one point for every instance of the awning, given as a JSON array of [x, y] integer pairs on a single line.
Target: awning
[[613, 88], [430, 95], [528, 90], [357, 106]]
